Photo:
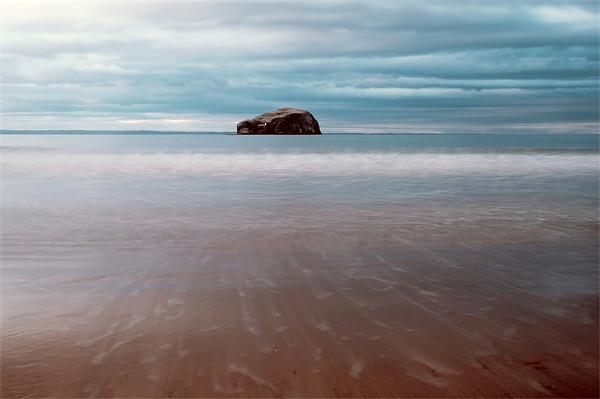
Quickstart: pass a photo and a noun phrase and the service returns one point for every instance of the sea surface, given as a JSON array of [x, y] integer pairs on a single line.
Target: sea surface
[[219, 265]]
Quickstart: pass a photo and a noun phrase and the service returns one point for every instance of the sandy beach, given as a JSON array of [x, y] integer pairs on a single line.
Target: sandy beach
[[419, 321]]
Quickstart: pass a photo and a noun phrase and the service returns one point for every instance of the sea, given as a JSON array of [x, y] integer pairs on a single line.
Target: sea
[[122, 230]]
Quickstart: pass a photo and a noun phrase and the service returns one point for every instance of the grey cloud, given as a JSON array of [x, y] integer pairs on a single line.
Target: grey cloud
[[430, 61]]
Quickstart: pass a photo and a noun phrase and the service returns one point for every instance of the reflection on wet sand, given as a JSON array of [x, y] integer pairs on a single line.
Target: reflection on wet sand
[[262, 312]]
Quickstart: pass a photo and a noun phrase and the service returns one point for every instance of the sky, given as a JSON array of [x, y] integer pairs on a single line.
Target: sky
[[513, 66]]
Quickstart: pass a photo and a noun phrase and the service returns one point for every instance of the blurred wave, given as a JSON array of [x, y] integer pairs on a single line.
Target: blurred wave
[[56, 163]]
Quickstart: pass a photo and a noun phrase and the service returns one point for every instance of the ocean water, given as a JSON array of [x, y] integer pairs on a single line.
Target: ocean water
[[95, 194], [88, 218]]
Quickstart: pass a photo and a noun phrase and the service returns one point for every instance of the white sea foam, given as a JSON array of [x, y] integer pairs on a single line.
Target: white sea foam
[[57, 163]]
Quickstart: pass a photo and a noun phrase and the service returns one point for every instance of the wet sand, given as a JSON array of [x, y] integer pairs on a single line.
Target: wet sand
[[295, 313]]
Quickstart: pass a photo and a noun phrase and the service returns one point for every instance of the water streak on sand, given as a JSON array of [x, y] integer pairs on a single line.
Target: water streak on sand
[[245, 372], [357, 366], [99, 358]]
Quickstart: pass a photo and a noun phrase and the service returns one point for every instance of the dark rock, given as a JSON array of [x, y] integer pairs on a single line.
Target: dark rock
[[281, 121]]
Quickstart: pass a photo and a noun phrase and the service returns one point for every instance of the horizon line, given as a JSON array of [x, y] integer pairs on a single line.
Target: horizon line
[[231, 133]]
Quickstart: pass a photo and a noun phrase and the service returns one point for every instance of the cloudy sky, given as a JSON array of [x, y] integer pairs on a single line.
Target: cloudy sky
[[374, 66]]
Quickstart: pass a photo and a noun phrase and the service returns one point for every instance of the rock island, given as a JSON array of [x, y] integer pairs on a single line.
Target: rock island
[[281, 121]]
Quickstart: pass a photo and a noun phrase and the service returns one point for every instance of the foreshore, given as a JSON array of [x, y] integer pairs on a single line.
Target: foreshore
[[390, 323], [195, 266]]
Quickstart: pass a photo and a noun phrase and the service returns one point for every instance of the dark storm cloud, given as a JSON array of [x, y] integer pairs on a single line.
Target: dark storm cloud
[[403, 66]]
